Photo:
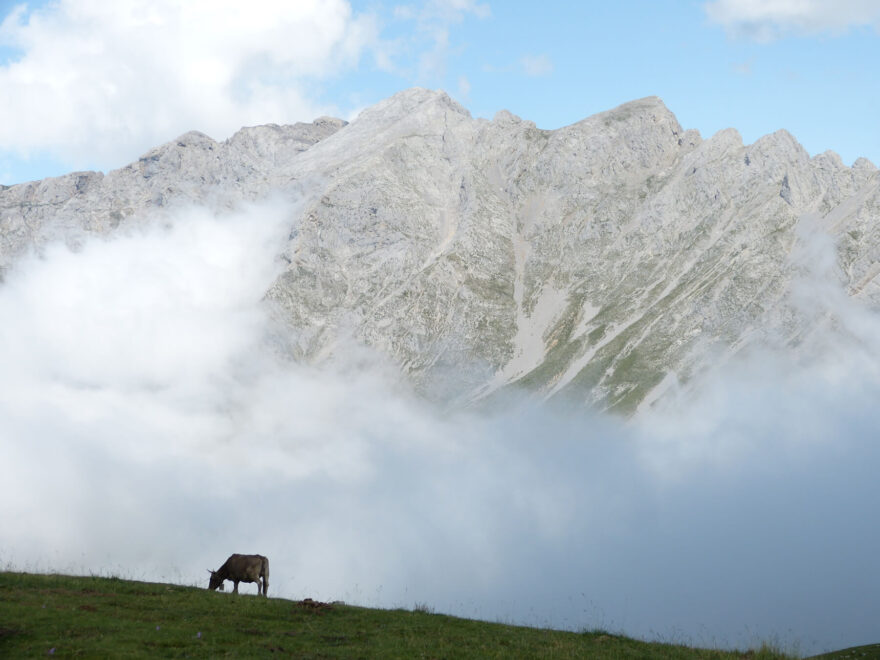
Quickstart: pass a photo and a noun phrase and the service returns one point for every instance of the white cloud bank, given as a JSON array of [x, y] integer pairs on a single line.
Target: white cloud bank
[[149, 430], [105, 81], [765, 20]]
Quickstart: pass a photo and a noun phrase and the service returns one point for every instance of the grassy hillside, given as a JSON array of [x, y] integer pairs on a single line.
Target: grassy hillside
[[65, 616], [869, 652]]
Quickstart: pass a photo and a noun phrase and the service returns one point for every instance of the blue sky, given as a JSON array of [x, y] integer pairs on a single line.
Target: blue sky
[[93, 85]]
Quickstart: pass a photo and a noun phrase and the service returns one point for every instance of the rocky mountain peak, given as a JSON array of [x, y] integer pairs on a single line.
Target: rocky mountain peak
[[864, 165], [424, 103]]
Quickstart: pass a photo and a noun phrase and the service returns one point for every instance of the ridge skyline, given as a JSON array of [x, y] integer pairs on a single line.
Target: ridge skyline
[[501, 113]]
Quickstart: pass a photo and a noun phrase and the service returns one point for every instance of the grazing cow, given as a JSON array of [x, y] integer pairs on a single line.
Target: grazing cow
[[242, 568]]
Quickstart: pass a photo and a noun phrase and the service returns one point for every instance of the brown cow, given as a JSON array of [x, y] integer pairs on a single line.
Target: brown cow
[[242, 568]]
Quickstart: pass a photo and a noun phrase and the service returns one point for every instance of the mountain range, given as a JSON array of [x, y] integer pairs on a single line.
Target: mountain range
[[605, 263]]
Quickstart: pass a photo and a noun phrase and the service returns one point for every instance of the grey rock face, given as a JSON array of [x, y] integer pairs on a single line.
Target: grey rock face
[[598, 262]]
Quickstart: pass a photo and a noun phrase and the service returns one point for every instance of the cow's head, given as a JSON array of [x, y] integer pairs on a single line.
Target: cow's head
[[215, 581]]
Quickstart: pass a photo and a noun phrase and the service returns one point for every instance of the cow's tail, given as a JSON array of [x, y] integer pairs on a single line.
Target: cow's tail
[[264, 572]]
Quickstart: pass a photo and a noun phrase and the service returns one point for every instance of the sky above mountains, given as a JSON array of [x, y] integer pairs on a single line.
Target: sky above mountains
[[93, 85]]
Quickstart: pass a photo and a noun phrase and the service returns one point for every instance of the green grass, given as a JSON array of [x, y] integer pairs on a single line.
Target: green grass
[[95, 617], [869, 652]]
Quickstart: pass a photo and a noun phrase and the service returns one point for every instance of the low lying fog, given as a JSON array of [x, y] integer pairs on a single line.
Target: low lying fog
[[148, 431]]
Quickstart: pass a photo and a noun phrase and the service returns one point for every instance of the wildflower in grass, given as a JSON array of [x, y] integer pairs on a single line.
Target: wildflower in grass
[[157, 627], [198, 635], [52, 651]]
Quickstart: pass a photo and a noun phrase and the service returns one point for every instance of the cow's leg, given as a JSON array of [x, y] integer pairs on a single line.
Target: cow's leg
[[265, 586], [235, 588]]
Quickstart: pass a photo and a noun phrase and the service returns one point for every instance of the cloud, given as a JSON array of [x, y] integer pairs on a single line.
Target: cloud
[[766, 20], [103, 82], [464, 87], [430, 43], [529, 65], [455, 10], [151, 427], [743, 68], [536, 65]]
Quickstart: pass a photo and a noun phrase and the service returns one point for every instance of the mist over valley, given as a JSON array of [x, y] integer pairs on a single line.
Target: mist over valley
[[614, 375]]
